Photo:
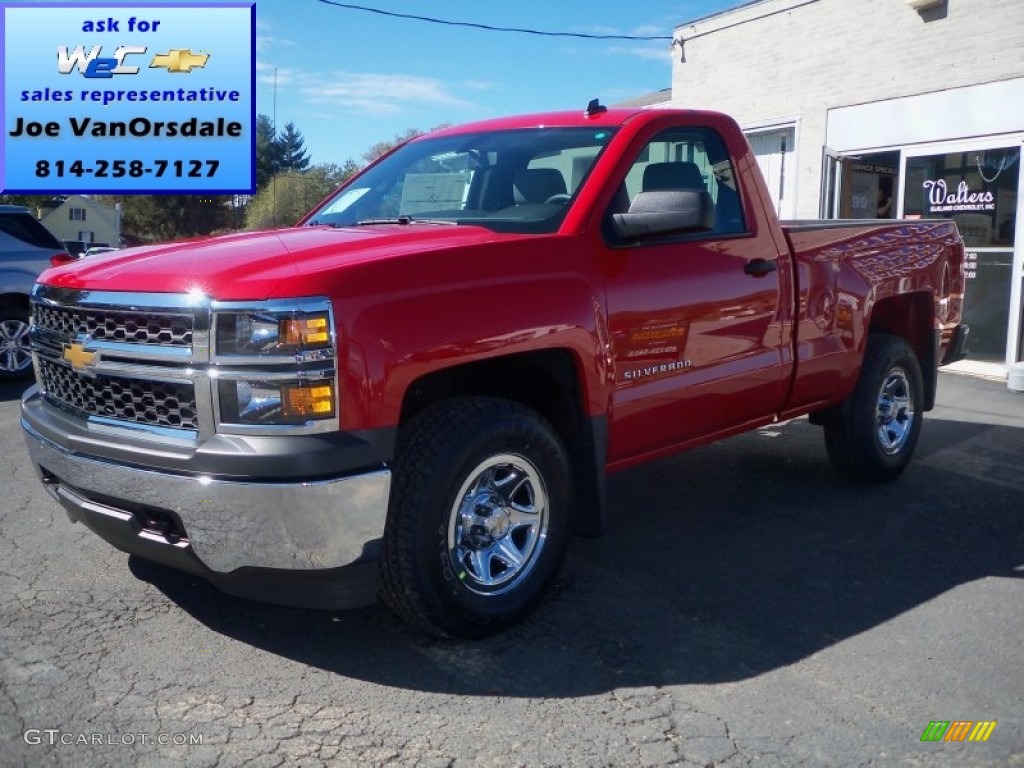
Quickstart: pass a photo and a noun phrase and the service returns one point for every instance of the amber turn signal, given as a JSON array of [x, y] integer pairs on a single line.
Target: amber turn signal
[[304, 331], [316, 400]]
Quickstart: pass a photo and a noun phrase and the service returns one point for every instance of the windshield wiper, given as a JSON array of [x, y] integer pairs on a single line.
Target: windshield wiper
[[404, 220]]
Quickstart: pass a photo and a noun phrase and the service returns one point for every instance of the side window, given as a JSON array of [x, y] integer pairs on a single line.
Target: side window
[[27, 229], [687, 158]]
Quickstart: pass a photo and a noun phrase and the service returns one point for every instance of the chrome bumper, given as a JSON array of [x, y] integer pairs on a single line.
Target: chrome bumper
[[302, 526]]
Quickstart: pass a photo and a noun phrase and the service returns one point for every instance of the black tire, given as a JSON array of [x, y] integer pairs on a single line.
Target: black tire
[[478, 520], [876, 432], [15, 353]]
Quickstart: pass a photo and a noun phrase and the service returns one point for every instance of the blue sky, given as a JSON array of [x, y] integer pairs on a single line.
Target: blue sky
[[349, 78]]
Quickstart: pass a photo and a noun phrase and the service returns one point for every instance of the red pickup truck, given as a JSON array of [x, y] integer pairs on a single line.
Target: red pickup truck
[[418, 391]]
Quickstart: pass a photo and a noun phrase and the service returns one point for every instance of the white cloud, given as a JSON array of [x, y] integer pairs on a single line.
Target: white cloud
[[266, 41], [649, 29], [655, 51], [269, 43], [377, 94], [481, 85], [268, 74]]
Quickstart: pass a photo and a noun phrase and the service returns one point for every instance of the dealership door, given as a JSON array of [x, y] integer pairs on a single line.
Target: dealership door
[[775, 156], [978, 186]]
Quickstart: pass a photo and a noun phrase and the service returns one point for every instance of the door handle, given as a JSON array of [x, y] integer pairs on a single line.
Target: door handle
[[759, 267]]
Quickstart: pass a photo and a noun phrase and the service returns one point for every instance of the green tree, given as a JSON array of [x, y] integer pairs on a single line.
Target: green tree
[[383, 147], [288, 196], [268, 151], [161, 218], [32, 202], [294, 156]]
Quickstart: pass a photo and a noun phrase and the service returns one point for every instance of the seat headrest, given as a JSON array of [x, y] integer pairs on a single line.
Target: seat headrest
[[680, 175], [535, 185]]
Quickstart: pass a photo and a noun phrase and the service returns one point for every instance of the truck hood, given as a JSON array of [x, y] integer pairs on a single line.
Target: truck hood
[[249, 266]]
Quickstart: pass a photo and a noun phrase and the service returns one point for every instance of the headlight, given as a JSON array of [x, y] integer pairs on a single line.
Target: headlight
[[267, 334], [275, 366], [256, 402]]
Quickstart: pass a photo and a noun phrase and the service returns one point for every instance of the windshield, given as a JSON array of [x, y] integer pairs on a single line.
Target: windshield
[[507, 181]]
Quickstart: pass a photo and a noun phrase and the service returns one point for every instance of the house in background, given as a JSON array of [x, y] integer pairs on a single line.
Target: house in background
[[662, 98], [80, 221]]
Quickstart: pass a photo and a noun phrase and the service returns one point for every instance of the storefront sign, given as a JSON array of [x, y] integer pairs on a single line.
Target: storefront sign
[[942, 200], [879, 168], [970, 265]]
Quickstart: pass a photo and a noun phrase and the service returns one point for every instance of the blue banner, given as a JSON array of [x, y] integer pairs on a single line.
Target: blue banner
[[128, 98]]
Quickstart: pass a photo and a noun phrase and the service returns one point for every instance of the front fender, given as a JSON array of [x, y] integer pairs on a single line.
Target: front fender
[[523, 301]]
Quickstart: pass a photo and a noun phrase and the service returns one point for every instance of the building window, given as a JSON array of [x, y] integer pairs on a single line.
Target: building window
[[978, 190], [869, 186], [76, 214]]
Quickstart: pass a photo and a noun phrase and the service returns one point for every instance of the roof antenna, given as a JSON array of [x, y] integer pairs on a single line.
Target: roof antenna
[[595, 107]]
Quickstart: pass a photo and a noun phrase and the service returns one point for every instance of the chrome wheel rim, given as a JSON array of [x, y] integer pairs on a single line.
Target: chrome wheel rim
[[15, 352], [498, 525], [895, 413]]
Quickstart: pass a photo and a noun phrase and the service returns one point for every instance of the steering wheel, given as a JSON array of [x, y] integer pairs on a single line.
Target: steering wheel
[[560, 199]]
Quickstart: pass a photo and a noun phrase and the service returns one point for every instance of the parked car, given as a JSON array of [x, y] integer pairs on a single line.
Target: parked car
[[79, 248], [75, 247], [95, 250], [26, 249]]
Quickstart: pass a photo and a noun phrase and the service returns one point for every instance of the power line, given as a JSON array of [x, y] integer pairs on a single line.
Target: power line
[[490, 28]]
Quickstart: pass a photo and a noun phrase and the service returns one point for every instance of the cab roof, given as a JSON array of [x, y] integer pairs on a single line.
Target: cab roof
[[603, 117]]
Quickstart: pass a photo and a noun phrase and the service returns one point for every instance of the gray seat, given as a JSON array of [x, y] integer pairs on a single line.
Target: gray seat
[[680, 175], [662, 185], [536, 185]]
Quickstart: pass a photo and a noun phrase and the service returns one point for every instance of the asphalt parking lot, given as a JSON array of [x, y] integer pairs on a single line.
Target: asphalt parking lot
[[745, 608]]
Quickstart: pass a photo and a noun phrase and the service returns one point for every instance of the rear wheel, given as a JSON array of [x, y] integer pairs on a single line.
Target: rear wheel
[[15, 352], [477, 526], [876, 432]]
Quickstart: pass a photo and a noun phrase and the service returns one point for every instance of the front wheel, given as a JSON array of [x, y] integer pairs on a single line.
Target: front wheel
[[875, 435], [478, 520], [15, 351]]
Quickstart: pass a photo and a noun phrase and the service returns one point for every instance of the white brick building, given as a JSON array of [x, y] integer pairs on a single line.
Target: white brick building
[[844, 100]]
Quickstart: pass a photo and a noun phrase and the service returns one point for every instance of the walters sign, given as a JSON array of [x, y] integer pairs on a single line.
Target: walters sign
[[977, 188], [942, 199]]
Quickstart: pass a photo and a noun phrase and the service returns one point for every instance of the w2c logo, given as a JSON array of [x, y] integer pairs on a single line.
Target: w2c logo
[[92, 65]]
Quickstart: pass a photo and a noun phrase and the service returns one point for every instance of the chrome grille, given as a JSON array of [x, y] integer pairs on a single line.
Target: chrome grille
[[133, 327], [143, 401]]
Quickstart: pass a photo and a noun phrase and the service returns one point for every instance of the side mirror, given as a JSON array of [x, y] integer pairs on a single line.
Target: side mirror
[[662, 211]]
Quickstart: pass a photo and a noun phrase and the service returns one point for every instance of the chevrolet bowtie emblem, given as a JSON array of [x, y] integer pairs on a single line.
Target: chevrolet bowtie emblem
[[80, 359], [179, 60]]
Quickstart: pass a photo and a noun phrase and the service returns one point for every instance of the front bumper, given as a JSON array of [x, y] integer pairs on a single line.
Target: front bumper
[[306, 543]]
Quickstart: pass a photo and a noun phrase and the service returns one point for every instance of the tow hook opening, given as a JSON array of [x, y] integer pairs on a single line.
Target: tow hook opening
[[50, 482], [161, 523]]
